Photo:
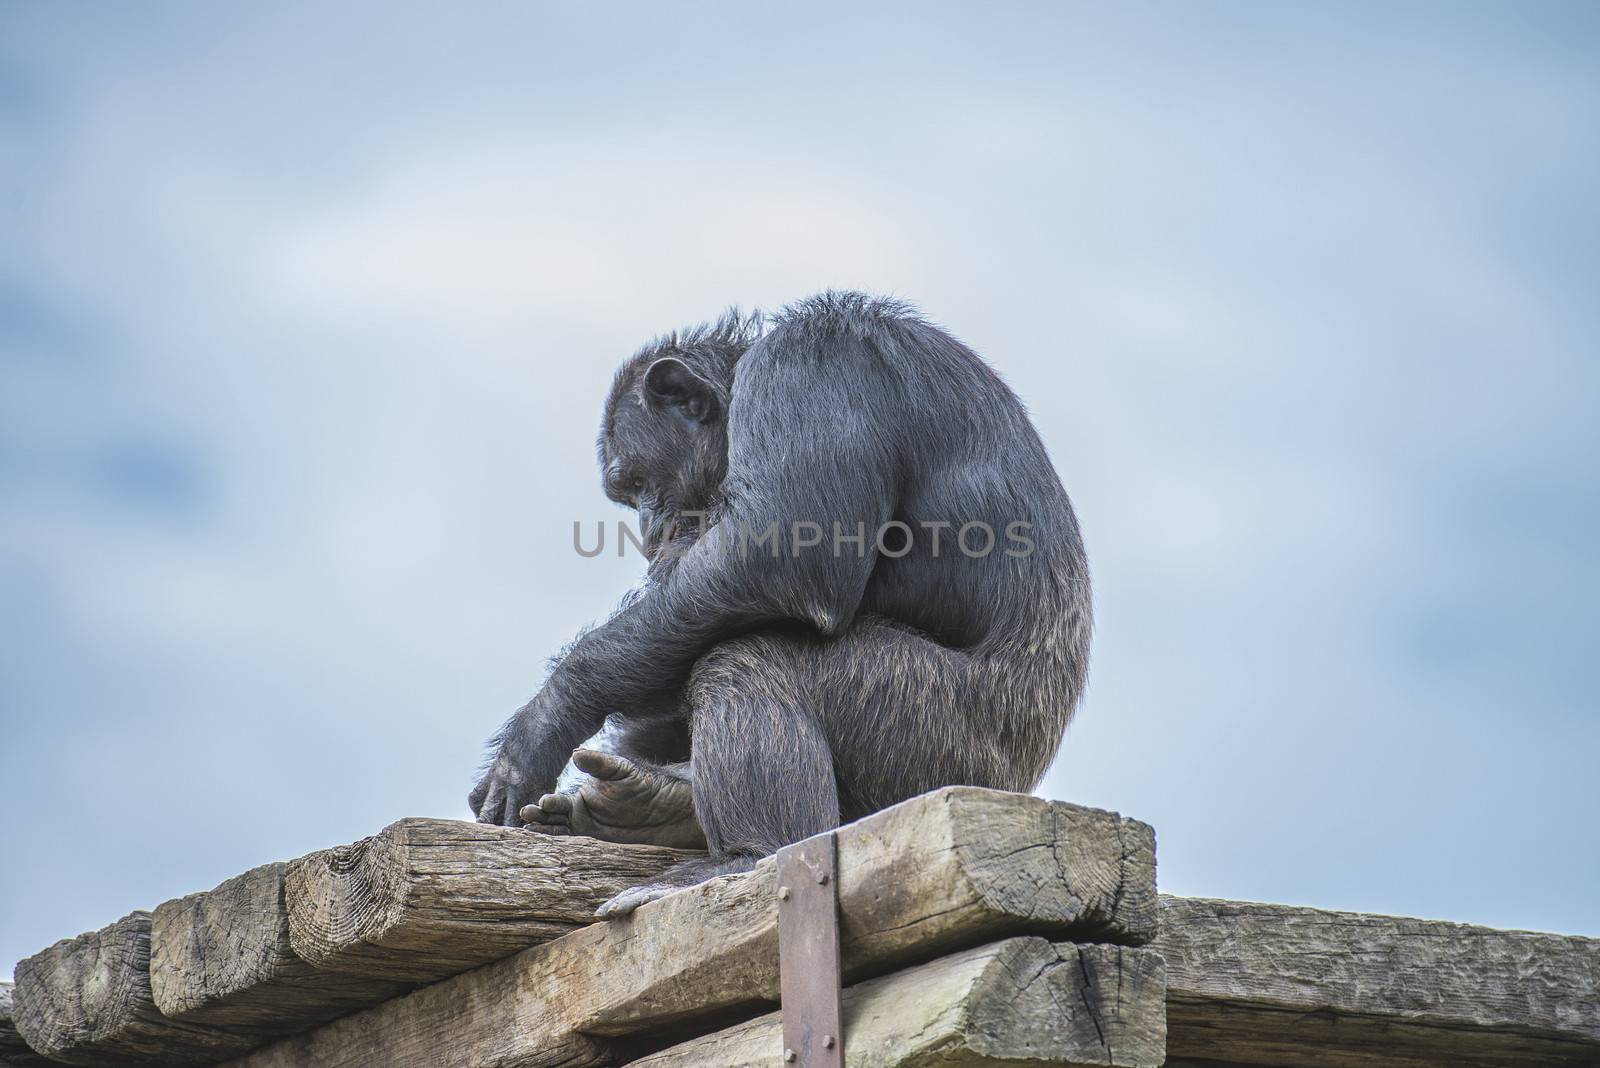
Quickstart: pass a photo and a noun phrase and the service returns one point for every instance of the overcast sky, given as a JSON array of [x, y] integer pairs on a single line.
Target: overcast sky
[[306, 317]]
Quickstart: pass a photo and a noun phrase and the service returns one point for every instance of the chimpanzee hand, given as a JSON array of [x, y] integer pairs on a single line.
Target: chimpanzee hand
[[530, 752], [502, 792]]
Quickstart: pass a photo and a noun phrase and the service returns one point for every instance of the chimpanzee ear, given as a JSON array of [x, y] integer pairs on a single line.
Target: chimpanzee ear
[[670, 384]]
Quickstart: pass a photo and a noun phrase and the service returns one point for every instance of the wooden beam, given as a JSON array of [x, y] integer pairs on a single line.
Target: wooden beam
[[1019, 1002], [14, 1052], [87, 1001], [940, 873], [222, 958], [426, 898], [1274, 984]]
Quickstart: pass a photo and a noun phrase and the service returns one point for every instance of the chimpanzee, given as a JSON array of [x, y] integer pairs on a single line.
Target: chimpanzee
[[888, 593]]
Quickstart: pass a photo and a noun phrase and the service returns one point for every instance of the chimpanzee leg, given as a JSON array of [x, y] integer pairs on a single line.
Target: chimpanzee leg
[[904, 715], [791, 733], [763, 768]]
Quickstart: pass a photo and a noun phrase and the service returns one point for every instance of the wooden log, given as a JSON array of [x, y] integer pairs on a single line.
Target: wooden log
[[87, 1000], [1274, 984], [14, 1052], [1019, 1002], [222, 958], [427, 898], [937, 874]]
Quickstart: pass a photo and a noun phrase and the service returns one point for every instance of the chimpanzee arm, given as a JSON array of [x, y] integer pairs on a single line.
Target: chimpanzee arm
[[813, 438]]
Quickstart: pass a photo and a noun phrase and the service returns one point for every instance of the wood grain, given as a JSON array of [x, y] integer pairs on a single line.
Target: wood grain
[[1023, 1001], [940, 873], [87, 1000], [427, 898], [1274, 984], [14, 1052], [223, 958]]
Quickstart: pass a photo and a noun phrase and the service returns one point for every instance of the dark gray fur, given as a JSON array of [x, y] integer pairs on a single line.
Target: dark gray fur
[[816, 689]]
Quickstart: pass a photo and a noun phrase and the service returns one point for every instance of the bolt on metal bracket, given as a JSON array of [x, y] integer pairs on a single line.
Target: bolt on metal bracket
[[809, 974]]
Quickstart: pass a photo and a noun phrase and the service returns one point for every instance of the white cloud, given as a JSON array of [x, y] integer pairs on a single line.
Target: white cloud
[[503, 239]]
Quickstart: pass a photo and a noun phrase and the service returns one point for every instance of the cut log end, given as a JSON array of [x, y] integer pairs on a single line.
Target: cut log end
[[426, 898], [348, 895], [205, 946], [223, 959], [87, 1001], [1022, 1001], [14, 1052]]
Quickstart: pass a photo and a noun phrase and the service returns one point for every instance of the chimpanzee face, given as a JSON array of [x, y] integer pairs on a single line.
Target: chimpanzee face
[[664, 449]]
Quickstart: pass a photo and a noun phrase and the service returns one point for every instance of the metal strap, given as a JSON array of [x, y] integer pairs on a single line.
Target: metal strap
[[808, 953]]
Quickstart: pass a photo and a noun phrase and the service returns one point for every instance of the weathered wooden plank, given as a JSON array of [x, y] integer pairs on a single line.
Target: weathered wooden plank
[[87, 1000], [222, 958], [1019, 1002], [1274, 984], [937, 874], [427, 898], [14, 1052]]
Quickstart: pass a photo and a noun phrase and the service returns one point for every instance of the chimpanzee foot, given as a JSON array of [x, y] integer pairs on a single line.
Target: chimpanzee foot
[[622, 801], [689, 873]]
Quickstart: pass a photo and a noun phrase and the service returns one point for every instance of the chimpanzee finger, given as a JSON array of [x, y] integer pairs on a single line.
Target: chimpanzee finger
[[554, 806], [493, 803], [551, 810], [536, 819], [603, 765]]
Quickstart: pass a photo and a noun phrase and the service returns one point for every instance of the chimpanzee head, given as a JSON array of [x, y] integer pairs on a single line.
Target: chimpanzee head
[[664, 438]]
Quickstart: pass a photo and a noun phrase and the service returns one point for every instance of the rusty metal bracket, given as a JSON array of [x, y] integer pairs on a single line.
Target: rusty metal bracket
[[809, 973]]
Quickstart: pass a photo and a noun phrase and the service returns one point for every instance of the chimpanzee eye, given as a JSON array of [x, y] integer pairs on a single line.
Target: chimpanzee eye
[[636, 485]]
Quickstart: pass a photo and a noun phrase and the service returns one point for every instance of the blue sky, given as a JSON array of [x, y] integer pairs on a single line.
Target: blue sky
[[306, 316]]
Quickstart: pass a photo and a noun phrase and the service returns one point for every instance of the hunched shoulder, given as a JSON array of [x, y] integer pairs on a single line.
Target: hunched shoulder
[[861, 316]]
